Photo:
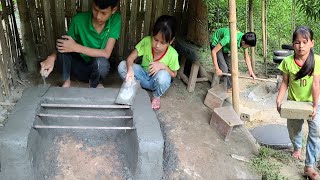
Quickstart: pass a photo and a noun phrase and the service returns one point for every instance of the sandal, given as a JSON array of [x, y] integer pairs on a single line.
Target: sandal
[[311, 173], [155, 103], [297, 154]]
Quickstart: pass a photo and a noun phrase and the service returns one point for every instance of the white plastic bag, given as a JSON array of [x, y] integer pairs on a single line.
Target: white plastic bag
[[127, 92]]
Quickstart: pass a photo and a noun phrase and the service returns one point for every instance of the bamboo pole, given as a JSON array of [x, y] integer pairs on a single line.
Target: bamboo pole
[[123, 10], [83, 127], [10, 41], [293, 16], [147, 18], [48, 26], [27, 36], [234, 54], [251, 24], [5, 57], [263, 29], [133, 24]]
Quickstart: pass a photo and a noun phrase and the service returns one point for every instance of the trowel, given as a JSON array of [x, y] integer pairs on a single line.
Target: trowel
[[127, 92]]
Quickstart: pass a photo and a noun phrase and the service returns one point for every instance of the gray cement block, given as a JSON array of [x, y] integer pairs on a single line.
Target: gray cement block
[[249, 114], [215, 97], [296, 110]]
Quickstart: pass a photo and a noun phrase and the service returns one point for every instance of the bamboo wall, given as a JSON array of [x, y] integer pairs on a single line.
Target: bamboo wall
[[44, 21], [50, 19], [11, 57]]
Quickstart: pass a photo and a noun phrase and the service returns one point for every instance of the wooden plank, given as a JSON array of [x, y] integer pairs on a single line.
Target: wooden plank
[[82, 116], [83, 127], [86, 106], [193, 76], [147, 18]]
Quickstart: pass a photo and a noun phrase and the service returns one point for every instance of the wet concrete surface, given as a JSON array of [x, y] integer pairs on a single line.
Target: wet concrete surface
[[29, 153]]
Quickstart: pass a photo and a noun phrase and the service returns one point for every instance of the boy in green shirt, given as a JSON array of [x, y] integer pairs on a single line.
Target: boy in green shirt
[[85, 51], [220, 48]]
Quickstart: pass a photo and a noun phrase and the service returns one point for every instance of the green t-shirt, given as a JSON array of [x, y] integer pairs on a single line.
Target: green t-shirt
[[144, 48], [222, 36], [301, 89], [83, 32]]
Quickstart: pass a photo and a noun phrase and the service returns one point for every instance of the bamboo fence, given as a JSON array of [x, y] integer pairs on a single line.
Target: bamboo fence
[[11, 57], [44, 21]]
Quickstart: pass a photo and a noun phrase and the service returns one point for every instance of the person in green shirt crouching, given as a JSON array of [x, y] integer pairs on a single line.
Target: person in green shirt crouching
[[220, 49], [85, 50]]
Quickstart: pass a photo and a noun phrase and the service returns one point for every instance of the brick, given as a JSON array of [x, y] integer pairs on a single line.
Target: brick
[[215, 97], [249, 114], [296, 110], [224, 119]]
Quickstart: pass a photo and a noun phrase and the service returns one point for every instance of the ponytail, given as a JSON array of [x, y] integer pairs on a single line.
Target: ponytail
[[308, 66]]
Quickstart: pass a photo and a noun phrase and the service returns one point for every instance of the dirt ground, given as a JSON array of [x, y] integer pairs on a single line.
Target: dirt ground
[[194, 150]]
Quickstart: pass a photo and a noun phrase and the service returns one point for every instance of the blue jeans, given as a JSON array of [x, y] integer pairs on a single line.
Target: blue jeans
[[93, 71], [159, 84], [295, 134]]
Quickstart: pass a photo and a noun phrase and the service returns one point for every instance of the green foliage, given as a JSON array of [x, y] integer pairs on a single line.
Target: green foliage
[[264, 163], [279, 17], [311, 8]]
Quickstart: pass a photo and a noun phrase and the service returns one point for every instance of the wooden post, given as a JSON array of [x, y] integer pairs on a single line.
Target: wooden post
[[251, 24], [234, 54], [263, 29]]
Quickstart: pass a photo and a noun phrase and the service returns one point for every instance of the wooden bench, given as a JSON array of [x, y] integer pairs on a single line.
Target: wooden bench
[[189, 53]]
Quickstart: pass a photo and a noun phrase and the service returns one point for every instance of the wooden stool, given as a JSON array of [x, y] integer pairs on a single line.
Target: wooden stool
[[189, 52]]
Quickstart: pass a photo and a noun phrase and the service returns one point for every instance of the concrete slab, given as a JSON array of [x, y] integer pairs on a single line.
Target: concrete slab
[[296, 110], [249, 114], [273, 135], [28, 153]]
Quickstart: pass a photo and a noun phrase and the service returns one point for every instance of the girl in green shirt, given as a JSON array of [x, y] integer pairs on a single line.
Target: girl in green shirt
[[159, 60], [301, 77]]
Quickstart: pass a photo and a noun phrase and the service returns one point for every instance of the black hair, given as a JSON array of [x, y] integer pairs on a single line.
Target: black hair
[[308, 66], [167, 26], [104, 4], [250, 39]]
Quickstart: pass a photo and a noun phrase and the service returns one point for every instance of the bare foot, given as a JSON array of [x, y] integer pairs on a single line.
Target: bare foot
[[100, 86], [297, 154], [155, 103], [311, 173], [229, 90], [66, 84]]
